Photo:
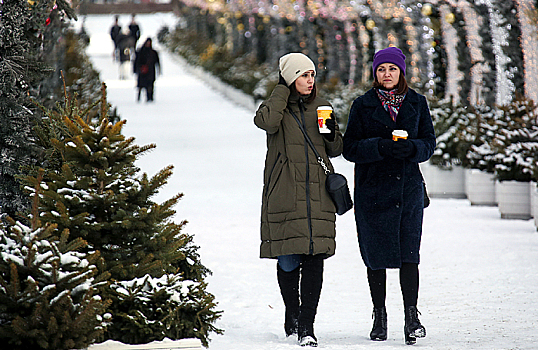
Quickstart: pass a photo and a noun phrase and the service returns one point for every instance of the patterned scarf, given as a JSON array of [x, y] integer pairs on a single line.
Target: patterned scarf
[[390, 101]]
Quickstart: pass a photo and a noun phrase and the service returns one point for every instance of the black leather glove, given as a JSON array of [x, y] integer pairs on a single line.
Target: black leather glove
[[331, 125], [385, 147], [403, 149], [281, 80]]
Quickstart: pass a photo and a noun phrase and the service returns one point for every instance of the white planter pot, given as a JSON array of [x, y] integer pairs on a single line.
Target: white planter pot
[[534, 194], [497, 191], [514, 200], [533, 198], [444, 183], [183, 344], [480, 187]]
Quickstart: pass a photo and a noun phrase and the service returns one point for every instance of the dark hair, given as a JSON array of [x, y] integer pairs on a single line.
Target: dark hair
[[310, 97], [401, 87]]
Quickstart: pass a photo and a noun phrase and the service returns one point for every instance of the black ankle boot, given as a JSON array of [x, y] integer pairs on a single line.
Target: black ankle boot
[[306, 335], [413, 329], [379, 329], [289, 288]]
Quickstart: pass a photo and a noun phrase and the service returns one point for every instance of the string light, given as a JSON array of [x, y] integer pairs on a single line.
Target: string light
[[454, 76], [474, 43], [529, 44], [366, 24]]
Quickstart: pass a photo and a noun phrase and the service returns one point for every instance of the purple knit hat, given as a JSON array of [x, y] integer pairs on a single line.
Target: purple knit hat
[[390, 55]]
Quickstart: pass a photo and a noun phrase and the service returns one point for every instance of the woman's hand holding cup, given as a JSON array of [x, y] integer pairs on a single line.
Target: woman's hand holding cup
[[402, 148]]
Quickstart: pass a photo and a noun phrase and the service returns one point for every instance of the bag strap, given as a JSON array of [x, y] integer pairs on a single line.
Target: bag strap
[[307, 138]]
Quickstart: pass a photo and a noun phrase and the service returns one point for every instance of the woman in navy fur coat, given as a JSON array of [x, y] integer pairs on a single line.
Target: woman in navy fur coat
[[389, 201]]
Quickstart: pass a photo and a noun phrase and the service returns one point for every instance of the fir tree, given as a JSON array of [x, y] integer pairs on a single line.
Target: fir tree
[[445, 116], [488, 92], [21, 69], [516, 144], [93, 189], [481, 132], [506, 140], [513, 49], [17, 72], [48, 289], [464, 58]]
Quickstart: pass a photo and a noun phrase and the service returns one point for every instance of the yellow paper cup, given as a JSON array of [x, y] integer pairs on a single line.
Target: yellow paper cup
[[399, 135], [324, 113]]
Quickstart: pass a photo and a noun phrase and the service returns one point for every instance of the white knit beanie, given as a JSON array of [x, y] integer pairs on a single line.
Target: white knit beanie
[[293, 65]]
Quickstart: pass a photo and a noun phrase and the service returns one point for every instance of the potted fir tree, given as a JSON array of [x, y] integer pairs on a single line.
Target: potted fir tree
[[534, 189], [516, 146], [444, 173], [478, 156]]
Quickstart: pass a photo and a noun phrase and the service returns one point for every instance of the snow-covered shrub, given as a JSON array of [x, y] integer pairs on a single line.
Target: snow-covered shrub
[[48, 290], [507, 141], [93, 188], [169, 305], [450, 122], [481, 154], [518, 157], [516, 144]]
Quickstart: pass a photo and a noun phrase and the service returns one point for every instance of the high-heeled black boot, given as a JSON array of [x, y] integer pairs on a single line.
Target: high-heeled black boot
[[413, 329], [289, 288], [379, 329]]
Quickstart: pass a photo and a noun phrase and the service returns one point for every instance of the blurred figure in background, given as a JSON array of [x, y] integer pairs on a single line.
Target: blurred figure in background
[[115, 31], [135, 29], [146, 66], [126, 50]]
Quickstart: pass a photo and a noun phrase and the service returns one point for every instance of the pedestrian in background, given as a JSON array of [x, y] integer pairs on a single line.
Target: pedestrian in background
[[146, 66], [134, 28], [298, 215], [389, 198], [125, 51], [114, 33]]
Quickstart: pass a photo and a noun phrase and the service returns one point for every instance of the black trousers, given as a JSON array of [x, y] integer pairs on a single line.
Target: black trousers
[[377, 279], [149, 92]]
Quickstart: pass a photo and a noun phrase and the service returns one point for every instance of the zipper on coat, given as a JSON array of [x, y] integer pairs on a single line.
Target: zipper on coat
[[307, 184]]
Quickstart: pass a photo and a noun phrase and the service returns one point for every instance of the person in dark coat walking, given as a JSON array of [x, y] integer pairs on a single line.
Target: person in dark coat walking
[[298, 215], [389, 200], [134, 28], [115, 31], [146, 65]]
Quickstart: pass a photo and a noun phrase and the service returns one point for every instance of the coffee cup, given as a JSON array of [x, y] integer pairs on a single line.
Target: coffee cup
[[324, 113], [399, 135]]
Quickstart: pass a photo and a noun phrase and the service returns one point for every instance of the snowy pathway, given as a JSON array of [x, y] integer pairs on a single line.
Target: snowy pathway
[[479, 274]]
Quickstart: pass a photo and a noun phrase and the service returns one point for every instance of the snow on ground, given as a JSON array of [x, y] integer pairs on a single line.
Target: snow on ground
[[479, 273]]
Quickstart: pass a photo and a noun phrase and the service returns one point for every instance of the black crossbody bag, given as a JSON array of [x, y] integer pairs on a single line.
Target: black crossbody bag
[[336, 184]]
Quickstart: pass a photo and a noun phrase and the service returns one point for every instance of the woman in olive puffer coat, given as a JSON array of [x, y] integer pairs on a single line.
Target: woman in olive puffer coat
[[298, 216]]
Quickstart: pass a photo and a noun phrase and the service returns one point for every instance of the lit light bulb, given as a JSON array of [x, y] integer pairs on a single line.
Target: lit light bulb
[[427, 10]]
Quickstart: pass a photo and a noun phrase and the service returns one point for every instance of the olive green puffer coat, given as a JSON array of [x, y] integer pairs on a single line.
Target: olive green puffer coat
[[298, 216]]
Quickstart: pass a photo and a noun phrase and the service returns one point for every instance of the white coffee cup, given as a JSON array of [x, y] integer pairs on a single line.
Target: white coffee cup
[[399, 135], [324, 113]]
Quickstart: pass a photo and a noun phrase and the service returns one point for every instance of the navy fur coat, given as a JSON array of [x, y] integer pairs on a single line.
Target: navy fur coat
[[389, 202]]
